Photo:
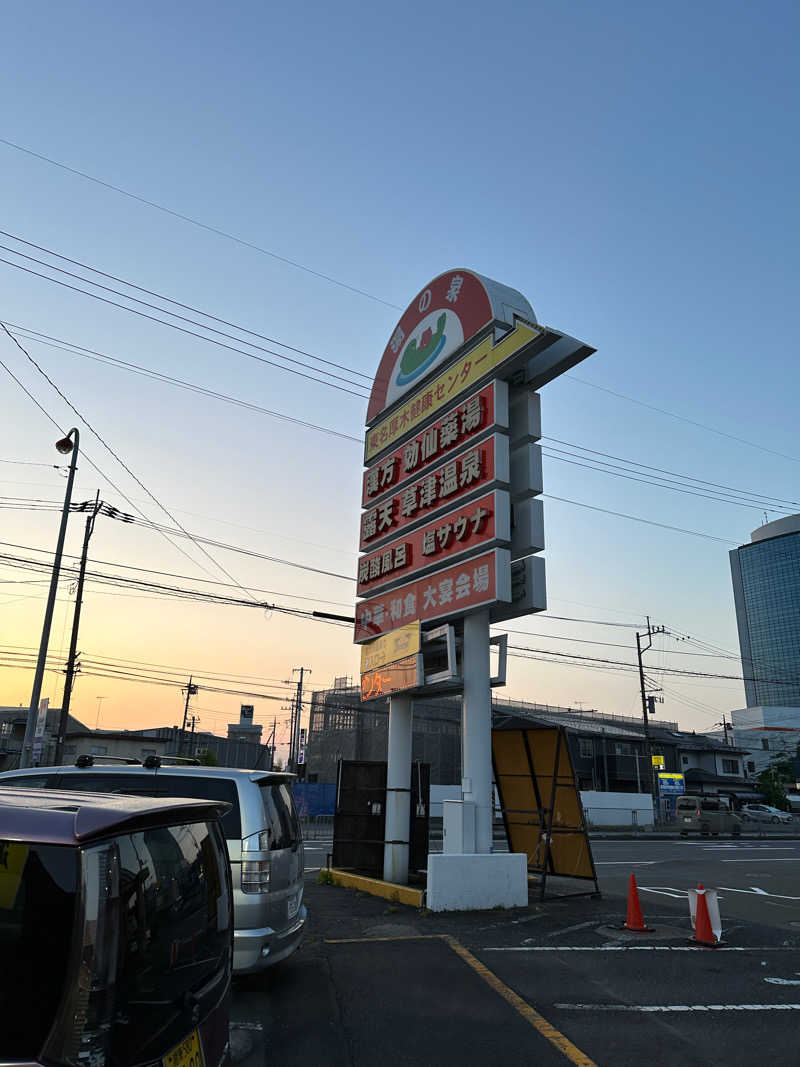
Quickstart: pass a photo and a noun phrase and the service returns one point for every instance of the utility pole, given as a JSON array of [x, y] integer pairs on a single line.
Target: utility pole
[[191, 691], [640, 649], [71, 669], [271, 744], [193, 720], [294, 742], [725, 726], [64, 446]]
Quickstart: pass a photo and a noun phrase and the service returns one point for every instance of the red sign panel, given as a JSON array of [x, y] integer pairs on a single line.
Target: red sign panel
[[470, 527], [474, 469], [483, 409], [392, 679], [454, 590], [448, 311]]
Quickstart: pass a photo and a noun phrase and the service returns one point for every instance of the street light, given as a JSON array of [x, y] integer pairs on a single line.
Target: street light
[[65, 445]]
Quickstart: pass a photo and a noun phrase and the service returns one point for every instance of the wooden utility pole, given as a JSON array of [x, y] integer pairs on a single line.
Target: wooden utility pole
[[640, 649], [71, 670]]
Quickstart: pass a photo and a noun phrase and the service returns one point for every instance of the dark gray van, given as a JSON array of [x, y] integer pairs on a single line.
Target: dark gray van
[[116, 929], [261, 829], [706, 815]]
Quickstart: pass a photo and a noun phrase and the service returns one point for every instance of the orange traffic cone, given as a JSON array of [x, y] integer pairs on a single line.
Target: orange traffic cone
[[634, 921], [703, 934]]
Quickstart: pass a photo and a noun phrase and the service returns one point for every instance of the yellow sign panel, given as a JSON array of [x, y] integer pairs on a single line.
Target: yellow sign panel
[[669, 775], [405, 641], [541, 803], [444, 389], [391, 679], [658, 761]]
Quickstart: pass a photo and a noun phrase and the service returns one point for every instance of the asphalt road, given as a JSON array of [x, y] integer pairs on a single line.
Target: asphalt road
[[555, 983]]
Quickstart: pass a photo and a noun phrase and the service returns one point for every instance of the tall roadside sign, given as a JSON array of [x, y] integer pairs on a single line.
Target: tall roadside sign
[[452, 519]]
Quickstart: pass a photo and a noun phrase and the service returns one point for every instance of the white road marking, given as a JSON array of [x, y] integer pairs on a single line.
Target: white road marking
[[766, 859], [648, 1008], [636, 948], [664, 891], [753, 891], [626, 863], [247, 1026], [783, 981]]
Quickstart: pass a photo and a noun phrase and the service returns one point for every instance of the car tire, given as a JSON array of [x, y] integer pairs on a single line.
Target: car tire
[[704, 831], [774, 819], [684, 833]]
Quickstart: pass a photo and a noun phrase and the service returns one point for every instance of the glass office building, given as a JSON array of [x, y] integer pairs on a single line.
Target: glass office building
[[766, 592]]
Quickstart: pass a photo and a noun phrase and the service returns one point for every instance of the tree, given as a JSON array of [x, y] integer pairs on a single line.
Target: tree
[[207, 758], [773, 781]]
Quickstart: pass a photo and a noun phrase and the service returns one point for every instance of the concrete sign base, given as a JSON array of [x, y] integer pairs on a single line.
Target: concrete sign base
[[477, 882]]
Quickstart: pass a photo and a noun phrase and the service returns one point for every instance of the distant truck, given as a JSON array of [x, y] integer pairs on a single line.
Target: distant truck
[[707, 815]]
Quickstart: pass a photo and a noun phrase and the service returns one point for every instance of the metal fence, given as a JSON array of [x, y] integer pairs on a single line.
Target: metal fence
[[317, 827]]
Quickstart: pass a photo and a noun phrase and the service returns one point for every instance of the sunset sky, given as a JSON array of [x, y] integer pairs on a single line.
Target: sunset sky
[[631, 171]]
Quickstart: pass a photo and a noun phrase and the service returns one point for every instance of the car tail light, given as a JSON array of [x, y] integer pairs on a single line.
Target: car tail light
[[255, 876], [82, 1032], [259, 842]]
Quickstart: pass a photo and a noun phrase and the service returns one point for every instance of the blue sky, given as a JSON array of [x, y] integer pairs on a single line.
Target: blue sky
[[631, 171]]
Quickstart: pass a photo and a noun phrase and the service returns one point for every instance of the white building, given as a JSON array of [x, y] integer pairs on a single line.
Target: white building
[[766, 732]]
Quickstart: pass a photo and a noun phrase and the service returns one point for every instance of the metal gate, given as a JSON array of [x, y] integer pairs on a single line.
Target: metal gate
[[359, 822]]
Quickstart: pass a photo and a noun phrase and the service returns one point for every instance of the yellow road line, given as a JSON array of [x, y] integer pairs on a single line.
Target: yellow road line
[[529, 1014]]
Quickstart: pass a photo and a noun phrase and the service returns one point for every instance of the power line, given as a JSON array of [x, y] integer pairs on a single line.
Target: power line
[[166, 311], [171, 325], [85, 455], [196, 222], [681, 418], [157, 375], [173, 574], [674, 474], [663, 484], [637, 518], [124, 465], [170, 300], [148, 372]]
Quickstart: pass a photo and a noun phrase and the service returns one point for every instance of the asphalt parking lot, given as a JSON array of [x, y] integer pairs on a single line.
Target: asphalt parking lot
[[557, 982]]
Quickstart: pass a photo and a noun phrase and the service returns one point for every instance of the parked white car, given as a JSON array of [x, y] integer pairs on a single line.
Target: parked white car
[[764, 813]]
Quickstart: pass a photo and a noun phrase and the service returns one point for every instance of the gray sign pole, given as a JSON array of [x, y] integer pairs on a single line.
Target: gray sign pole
[[398, 791], [476, 727]]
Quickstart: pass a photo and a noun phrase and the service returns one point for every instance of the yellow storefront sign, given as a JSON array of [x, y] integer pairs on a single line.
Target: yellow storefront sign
[[405, 641], [442, 390], [658, 761]]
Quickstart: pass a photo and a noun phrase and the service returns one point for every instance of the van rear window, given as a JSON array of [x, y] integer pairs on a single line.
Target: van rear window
[[38, 894], [162, 784], [280, 817]]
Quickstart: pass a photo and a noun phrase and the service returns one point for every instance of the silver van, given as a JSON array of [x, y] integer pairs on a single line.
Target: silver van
[[262, 831]]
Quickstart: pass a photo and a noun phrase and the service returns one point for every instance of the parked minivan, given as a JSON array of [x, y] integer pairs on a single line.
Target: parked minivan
[[116, 929], [707, 815], [261, 829]]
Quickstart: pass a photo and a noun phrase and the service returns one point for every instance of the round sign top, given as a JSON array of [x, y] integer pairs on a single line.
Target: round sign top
[[447, 312]]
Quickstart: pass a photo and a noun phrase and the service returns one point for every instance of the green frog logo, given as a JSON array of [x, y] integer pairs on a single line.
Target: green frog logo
[[417, 357]]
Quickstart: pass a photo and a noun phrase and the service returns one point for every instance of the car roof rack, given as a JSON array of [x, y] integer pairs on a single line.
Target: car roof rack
[[87, 760], [152, 762]]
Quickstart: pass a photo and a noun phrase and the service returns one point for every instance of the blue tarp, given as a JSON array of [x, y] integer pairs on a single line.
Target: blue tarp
[[314, 798]]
